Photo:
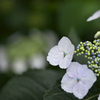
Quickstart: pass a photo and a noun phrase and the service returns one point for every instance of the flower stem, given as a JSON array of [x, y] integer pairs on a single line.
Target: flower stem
[[92, 96]]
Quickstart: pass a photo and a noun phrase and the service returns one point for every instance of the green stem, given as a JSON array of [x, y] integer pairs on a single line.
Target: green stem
[[92, 96]]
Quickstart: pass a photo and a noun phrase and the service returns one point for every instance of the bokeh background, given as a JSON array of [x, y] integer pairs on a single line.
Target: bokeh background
[[29, 28]]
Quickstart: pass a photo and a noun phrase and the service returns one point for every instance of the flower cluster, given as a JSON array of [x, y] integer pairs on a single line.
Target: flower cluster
[[92, 52], [78, 78]]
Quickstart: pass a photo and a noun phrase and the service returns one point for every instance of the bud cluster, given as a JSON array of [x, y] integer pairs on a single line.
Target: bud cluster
[[92, 52]]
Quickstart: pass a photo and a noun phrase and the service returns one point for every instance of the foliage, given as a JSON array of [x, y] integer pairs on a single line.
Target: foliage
[[29, 86], [56, 93]]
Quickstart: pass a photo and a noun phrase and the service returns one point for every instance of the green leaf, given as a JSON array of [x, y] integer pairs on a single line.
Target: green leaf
[[3, 79], [56, 93], [69, 16], [29, 86]]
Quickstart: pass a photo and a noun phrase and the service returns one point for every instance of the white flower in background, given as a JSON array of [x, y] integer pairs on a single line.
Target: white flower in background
[[97, 34], [4, 63], [94, 16], [61, 54], [99, 97], [19, 66], [37, 61], [78, 80]]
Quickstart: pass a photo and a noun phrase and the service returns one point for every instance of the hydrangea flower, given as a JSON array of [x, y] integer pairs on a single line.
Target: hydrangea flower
[[61, 54], [78, 79], [99, 97], [94, 16]]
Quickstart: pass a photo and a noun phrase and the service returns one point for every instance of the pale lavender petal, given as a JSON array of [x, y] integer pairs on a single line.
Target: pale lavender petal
[[78, 80], [80, 90], [54, 52], [54, 56], [70, 51], [82, 70], [64, 44], [65, 62], [53, 60], [72, 69], [89, 79], [68, 83]]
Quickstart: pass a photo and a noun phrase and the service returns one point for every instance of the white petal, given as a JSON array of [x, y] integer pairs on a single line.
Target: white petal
[[70, 51], [65, 62], [64, 44], [94, 16], [72, 69], [89, 79], [80, 90], [54, 56], [82, 71], [99, 97], [55, 52], [68, 83]]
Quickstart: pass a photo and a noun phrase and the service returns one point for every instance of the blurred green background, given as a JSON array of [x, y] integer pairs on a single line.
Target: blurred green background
[[31, 27], [57, 15]]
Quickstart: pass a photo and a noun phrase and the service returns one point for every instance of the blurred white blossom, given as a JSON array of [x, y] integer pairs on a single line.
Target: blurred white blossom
[[61, 54], [19, 65], [78, 80], [4, 63], [37, 61], [94, 16], [99, 97], [97, 34], [27, 50]]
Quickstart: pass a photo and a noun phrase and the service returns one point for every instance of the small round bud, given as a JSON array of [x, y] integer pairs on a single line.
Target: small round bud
[[77, 49], [84, 44], [82, 52], [93, 57], [96, 70], [97, 74], [85, 56], [80, 42], [92, 53], [74, 51]]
